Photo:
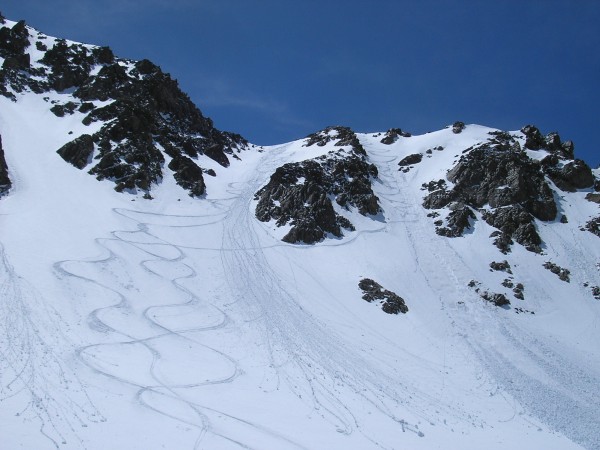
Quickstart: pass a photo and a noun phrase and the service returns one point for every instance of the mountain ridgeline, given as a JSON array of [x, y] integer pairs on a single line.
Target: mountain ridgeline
[[142, 127], [146, 121], [160, 278]]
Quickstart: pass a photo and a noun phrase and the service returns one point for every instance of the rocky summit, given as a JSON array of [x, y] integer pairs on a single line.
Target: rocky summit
[[165, 284]]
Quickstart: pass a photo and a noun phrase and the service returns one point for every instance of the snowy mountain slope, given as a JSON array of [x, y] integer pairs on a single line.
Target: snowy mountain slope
[[185, 322]]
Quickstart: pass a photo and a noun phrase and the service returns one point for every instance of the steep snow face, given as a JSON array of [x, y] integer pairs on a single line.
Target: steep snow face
[[185, 322]]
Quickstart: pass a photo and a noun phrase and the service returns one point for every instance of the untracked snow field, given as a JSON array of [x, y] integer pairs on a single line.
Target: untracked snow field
[[180, 323]]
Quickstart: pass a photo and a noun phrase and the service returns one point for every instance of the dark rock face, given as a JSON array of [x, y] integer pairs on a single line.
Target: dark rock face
[[534, 140], [499, 174], [503, 266], [518, 291], [562, 273], [392, 136], [458, 127], [411, 159], [147, 115], [5, 183], [458, 221], [78, 152], [188, 175], [496, 299], [593, 226], [514, 222], [391, 303], [572, 176], [14, 41], [301, 193], [593, 197]]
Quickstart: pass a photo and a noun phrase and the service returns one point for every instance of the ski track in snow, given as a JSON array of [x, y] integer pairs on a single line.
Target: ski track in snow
[[568, 399], [30, 366], [307, 359], [304, 357]]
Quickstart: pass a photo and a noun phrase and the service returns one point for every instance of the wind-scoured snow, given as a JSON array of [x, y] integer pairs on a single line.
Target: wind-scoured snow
[[185, 323]]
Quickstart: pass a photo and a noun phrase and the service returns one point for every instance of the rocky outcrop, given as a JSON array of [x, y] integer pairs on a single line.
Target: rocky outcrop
[[593, 226], [458, 127], [534, 140], [5, 183], [495, 298], [188, 175], [411, 159], [301, 194], [499, 175], [502, 266], [144, 113], [392, 135], [390, 302], [78, 152], [562, 273], [571, 176]]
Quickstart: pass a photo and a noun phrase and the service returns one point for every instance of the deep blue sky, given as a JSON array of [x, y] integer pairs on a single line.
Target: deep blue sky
[[277, 70]]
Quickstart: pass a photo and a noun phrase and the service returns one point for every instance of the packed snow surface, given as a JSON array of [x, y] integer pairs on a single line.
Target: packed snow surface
[[182, 323]]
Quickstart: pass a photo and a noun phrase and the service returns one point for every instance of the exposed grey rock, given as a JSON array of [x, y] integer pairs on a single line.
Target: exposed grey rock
[[533, 138], [14, 41], [496, 299], [391, 303], [458, 220], [392, 135], [593, 197], [60, 110], [518, 291], [499, 174], [562, 273], [593, 226], [411, 159], [146, 115], [188, 175], [79, 151], [301, 193], [503, 266], [5, 183], [572, 176], [458, 127], [514, 222]]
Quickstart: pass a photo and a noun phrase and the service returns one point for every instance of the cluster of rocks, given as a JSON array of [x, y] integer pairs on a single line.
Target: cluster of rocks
[[301, 193], [523, 311], [509, 189], [517, 288], [458, 127], [147, 116], [390, 302], [496, 298], [593, 226], [502, 266], [392, 136], [409, 161], [5, 183], [562, 273]]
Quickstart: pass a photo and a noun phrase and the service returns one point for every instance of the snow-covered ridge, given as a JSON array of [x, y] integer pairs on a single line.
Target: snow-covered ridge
[[186, 322], [131, 121]]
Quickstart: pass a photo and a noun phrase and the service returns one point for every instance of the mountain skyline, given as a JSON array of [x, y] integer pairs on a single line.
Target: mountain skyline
[[166, 284], [274, 72]]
